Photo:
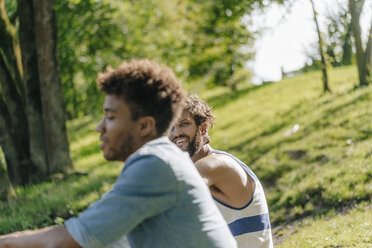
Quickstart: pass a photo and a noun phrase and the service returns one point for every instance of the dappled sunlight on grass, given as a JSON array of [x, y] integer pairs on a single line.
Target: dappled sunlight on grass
[[88, 161], [325, 231], [85, 141], [311, 150], [79, 129]]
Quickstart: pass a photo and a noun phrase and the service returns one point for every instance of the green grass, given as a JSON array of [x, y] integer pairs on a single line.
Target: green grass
[[52, 202], [312, 152], [325, 231]]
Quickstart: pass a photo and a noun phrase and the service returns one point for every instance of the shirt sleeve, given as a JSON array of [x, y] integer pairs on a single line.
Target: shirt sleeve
[[146, 187]]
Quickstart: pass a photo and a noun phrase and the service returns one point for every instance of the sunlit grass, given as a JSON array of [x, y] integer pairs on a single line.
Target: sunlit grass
[[311, 150], [346, 230]]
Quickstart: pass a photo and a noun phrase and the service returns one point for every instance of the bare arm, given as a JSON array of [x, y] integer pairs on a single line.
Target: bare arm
[[226, 179], [54, 236]]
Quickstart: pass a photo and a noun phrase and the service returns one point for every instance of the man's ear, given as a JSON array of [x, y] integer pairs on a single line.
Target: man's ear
[[147, 126], [204, 128]]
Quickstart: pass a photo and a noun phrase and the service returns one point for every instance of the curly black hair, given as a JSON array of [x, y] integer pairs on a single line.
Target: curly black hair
[[148, 89]]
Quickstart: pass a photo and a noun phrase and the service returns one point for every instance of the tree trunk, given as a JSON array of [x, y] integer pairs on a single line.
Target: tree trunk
[[323, 64], [6, 189], [346, 48], [14, 140], [51, 88], [16, 154], [31, 80], [355, 10]]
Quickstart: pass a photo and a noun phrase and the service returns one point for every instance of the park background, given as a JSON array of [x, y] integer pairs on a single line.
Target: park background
[[306, 133]]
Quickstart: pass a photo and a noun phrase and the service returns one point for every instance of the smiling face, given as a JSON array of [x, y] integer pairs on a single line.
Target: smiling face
[[117, 129], [186, 135]]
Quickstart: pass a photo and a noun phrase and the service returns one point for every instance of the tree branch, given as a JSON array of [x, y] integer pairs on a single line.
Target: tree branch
[[10, 50]]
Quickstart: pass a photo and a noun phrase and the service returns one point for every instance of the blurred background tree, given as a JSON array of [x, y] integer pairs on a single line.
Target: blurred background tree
[[323, 60], [363, 55], [32, 117], [338, 35], [206, 42], [344, 41]]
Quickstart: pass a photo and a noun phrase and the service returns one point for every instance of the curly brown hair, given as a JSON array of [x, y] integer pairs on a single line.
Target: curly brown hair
[[148, 89], [200, 112]]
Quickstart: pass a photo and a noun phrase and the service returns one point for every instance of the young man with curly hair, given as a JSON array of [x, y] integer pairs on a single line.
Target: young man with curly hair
[[159, 199], [235, 188]]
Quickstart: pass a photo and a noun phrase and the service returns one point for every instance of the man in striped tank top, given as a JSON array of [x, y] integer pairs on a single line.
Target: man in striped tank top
[[235, 188]]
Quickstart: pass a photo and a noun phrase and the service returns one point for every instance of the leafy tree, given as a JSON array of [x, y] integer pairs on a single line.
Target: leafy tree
[[89, 38], [205, 41], [339, 43], [220, 39]]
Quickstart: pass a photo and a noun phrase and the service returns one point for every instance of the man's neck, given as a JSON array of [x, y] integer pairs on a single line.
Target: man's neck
[[203, 152]]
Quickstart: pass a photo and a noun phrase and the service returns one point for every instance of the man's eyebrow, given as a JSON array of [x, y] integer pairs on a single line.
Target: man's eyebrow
[[185, 119], [109, 110]]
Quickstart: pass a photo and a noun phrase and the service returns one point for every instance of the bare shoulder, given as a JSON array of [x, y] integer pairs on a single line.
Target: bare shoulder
[[218, 164], [235, 186], [217, 161]]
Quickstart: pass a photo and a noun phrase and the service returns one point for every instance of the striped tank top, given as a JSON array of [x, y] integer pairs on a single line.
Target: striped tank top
[[250, 224]]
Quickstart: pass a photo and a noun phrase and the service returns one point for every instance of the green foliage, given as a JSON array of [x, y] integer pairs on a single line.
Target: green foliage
[[338, 37], [207, 42], [88, 40], [217, 50]]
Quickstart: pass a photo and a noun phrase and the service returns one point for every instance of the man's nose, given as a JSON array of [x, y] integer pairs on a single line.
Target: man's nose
[[100, 126], [174, 132]]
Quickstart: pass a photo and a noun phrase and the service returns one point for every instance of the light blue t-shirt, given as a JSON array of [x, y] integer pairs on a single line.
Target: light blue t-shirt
[[159, 200]]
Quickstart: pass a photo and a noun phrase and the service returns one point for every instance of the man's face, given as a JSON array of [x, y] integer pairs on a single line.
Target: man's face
[[116, 129], [186, 135]]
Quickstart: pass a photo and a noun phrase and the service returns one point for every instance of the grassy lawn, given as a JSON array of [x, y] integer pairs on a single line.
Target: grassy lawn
[[312, 152], [344, 230]]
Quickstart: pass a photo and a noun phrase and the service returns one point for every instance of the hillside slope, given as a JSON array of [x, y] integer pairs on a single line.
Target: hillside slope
[[312, 151]]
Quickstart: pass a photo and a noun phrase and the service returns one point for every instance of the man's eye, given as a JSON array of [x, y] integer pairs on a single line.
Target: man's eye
[[110, 118], [184, 124]]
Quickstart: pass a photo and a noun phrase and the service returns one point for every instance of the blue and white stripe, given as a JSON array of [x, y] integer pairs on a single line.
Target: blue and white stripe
[[250, 224]]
